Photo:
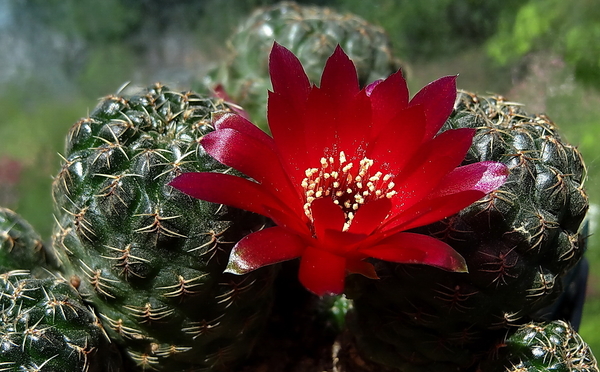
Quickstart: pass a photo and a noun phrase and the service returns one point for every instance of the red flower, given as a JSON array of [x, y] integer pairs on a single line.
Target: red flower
[[345, 174]]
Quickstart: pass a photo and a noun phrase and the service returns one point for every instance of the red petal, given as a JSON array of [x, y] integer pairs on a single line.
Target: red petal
[[322, 272], [229, 190], [484, 176], [437, 99], [293, 222], [430, 164], [371, 87], [417, 249], [398, 141], [288, 130], [341, 243], [326, 215], [388, 98], [253, 158], [328, 223], [432, 210], [349, 112], [286, 107], [339, 80], [262, 248], [320, 127], [288, 77], [370, 216], [361, 267], [219, 92], [459, 189], [245, 127], [354, 125], [333, 127]]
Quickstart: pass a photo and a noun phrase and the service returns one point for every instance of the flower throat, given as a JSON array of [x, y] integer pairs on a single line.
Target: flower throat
[[348, 186]]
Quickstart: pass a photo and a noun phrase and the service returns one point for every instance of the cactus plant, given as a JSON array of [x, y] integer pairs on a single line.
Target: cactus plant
[[542, 347], [310, 32], [518, 242], [46, 326], [149, 258], [21, 247]]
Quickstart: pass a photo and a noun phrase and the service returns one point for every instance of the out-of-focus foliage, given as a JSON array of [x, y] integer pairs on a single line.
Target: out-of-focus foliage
[[116, 20], [101, 44], [92, 20], [430, 28], [570, 28]]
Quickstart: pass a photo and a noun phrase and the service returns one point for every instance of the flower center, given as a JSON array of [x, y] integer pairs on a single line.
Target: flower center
[[348, 185]]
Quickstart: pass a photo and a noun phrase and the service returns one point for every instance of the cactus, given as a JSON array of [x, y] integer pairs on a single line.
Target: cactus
[[21, 247], [542, 347], [147, 257], [311, 33], [46, 326], [518, 242]]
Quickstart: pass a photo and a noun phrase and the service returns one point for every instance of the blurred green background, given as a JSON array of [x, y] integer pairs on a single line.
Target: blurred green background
[[58, 56]]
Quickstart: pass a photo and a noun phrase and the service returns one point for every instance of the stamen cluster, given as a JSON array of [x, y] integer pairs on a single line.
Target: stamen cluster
[[348, 186]]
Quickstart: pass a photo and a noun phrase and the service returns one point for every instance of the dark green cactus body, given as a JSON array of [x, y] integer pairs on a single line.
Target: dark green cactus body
[[518, 243], [45, 326], [311, 33], [21, 247], [543, 347], [148, 257]]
